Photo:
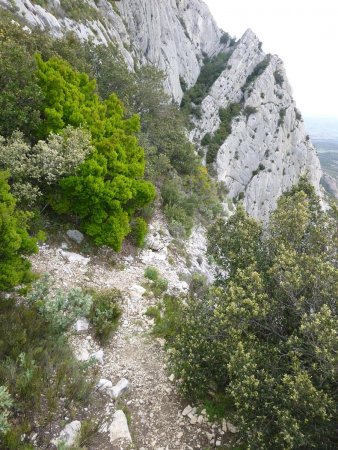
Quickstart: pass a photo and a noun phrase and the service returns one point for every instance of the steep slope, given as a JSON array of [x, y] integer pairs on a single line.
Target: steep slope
[[268, 149], [172, 35]]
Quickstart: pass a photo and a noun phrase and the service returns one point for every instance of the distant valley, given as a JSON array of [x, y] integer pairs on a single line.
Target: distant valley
[[324, 135]]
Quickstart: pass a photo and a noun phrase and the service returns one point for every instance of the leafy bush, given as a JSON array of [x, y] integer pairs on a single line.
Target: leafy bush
[[264, 337], [167, 317], [105, 312], [139, 229], [214, 142], [6, 403], [108, 186], [151, 273], [37, 366], [61, 308], [34, 169], [258, 70], [158, 284], [210, 71], [15, 241], [21, 97]]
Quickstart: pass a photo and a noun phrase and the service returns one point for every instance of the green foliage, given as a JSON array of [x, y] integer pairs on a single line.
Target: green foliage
[[248, 110], [214, 142], [139, 229], [264, 338], [6, 403], [279, 79], [151, 273], [108, 186], [158, 284], [210, 71], [15, 241], [34, 169], [258, 70], [61, 309], [21, 97], [167, 316], [105, 312], [38, 367], [79, 10]]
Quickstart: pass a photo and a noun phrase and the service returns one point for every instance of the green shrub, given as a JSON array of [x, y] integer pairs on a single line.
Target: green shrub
[[139, 229], [168, 317], [34, 169], [210, 71], [108, 187], [6, 403], [105, 312], [151, 273], [226, 116], [39, 369], [248, 110], [61, 308], [264, 337], [258, 70], [15, 242], [158, 284]]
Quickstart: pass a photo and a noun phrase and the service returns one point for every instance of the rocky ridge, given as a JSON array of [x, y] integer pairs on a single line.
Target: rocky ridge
[[268, 148]]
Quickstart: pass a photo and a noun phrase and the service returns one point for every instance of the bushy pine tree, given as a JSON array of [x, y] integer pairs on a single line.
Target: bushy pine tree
[[108, 187]]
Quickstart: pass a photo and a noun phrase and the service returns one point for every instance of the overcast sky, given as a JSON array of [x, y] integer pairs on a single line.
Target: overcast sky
[[304, 33]]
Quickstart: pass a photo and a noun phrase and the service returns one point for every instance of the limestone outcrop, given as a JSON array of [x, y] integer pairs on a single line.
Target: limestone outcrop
[[268, 148]]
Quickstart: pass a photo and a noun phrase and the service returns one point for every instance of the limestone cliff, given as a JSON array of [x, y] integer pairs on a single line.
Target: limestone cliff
[[172, 35], [268, 149]]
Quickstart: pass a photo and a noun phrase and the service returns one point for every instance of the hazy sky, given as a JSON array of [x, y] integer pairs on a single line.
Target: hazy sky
[[304, 33]]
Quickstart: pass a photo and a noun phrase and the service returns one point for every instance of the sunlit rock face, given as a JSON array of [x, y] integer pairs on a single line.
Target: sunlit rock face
[[268, 149]]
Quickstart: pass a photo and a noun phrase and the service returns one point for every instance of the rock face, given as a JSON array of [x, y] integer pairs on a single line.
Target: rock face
[[172, 35], [268, 149]]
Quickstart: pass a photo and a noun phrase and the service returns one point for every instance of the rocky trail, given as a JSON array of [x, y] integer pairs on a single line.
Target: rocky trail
[[149, 414]]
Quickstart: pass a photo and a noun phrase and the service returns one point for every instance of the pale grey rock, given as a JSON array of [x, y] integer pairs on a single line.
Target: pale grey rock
[[136, 291], [172, 35], [232, 428], [224, 426], [74, 257], [75, 235], [187, 410], [104, 384], [120, 388], [268, 150], [69, 435], [81, 325], [82, 354], [330, 185], [118, 430], [98, 356]]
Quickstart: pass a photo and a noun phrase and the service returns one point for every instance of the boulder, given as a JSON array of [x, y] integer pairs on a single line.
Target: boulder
[[116, 391], [75, 235], [118, 430], [69, 435], [74, 258], [81, 325], [104, 384]]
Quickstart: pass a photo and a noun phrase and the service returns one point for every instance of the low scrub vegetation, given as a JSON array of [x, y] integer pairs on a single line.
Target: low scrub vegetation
[[259, 346]]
